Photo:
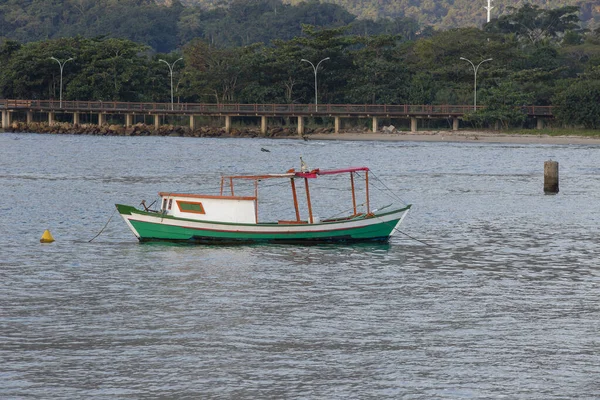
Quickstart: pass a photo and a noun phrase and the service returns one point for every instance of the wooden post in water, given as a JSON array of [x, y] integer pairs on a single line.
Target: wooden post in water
[[551, 177]]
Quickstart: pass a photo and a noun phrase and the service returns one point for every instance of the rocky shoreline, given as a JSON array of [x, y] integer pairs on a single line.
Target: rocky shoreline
[[356, 134], [149, 130]]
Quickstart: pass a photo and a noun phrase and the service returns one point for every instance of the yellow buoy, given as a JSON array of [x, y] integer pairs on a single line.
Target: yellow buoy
[[47, 237]]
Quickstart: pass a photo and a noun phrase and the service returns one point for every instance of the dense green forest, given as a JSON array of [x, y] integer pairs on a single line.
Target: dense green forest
[[539, 57]]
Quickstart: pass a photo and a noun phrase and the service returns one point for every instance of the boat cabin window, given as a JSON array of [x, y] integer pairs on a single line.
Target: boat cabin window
[[164, 206], [190, 207], [170, 203]]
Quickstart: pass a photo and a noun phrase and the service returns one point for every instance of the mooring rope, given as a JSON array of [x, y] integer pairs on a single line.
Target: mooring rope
[[411, 237], [405, 234], [105, 225]]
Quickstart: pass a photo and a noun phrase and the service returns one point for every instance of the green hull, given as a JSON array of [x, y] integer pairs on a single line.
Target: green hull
[[150, 226]]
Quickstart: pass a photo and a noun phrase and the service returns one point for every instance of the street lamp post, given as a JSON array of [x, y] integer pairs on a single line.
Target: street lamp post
[[171, 72], [61, 66], [475, 68], [315, 69]]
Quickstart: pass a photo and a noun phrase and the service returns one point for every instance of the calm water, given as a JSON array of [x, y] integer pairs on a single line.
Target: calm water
[[505, 303]]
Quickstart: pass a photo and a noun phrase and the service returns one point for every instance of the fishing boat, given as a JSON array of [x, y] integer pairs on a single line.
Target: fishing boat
[[228, 217]]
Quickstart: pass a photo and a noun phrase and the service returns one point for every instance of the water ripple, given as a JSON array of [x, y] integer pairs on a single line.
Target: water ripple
[[501, 304]]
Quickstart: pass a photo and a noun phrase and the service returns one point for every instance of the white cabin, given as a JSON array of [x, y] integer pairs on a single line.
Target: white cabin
[[232, 209]]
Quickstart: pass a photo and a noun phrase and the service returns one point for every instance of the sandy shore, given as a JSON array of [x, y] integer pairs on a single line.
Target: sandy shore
[[458, 136], [290, 133]]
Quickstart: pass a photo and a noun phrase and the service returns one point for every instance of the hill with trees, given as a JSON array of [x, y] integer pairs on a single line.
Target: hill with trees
[[166, 25], [441, 14]]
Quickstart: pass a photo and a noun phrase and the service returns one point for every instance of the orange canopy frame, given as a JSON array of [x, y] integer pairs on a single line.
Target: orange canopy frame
[[292, 174]]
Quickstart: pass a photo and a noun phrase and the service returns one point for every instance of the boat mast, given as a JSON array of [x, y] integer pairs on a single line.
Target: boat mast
[[310, 215], [295, 200], [367, 190], [353, 193], [256, 200]]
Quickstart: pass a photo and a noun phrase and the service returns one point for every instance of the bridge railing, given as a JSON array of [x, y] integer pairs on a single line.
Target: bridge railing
[[539, 110], [364, 110]]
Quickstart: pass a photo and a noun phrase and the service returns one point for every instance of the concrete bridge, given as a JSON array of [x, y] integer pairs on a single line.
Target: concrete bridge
[[263, 111]]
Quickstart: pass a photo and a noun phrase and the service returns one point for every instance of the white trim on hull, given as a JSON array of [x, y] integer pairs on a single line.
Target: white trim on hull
[[268, 228]]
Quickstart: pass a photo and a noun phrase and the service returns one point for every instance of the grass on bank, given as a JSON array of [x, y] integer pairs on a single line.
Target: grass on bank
[[592, 133]]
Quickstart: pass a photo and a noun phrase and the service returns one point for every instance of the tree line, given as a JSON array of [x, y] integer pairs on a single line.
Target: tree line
[[538, 57]]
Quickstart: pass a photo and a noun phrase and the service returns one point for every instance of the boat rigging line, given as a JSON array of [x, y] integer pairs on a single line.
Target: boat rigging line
[[345, 211], [391, 192]]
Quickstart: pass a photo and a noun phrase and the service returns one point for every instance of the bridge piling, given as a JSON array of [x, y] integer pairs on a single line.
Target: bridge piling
[[228, 124], [192, 122], [337, 124], [300, 125], [413, 124], [455, 124], [128, 120], [5, 119], [375, 125], [75, 118], [51, 117], [263, 125]]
